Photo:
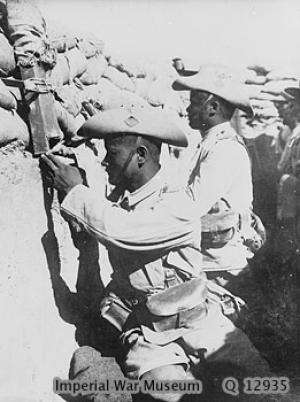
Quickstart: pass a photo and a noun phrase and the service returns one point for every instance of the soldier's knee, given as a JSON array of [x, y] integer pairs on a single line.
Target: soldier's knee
[[82, 359]]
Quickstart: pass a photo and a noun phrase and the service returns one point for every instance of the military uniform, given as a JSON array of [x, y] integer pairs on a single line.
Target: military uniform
[[221, 184], [157, 298], [151, 234], [220, 180]]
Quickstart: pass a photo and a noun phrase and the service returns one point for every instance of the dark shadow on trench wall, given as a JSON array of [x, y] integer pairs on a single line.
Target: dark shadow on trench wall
[[80, 308]]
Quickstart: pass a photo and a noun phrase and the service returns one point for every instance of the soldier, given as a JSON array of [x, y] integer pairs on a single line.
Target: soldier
[[220, 175], [288, 212], [164, 320]]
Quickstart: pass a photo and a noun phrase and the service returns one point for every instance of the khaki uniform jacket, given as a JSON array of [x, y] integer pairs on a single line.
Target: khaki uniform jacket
[[153, 235], [220, 174]]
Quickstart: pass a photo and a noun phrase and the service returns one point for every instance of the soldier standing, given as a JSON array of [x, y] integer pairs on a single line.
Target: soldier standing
[[220, 174]]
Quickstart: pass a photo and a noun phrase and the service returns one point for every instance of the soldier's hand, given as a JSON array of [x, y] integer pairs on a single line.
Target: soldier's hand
[[62, 150], [90, 108], [63, 177]]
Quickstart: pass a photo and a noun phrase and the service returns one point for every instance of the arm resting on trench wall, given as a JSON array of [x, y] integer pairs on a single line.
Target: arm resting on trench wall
[[168, 224]]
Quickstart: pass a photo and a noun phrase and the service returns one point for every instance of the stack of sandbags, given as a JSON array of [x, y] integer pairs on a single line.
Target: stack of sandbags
[[86, 71], [14, 20], [23, 26], [12, 126], [270, 84], [7, 57], [265, 95], [27, 31], [262, 95]]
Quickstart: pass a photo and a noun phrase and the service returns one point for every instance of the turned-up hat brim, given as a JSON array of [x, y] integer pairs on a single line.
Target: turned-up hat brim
[[219, 81], [138, 121]]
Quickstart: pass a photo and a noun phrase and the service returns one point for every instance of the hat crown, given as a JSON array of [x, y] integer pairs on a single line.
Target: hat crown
[[218, 80], [146, 121], [220, 75]]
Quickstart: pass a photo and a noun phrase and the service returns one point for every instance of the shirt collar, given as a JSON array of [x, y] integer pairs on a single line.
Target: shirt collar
[[145, 191], [218, 129]]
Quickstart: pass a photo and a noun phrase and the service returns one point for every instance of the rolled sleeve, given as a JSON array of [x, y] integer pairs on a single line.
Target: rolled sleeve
[[169, 223]]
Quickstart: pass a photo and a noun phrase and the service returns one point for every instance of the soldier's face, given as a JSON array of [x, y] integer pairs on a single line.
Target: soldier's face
[[197, 112], [117, 162]]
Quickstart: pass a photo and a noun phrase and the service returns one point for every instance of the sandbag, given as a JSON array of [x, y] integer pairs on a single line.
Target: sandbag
[[7, 57], [27, 30], [12, 127], [158, 93], [259, 69], [160, 70], [283, 74], [60, 74], [261, 104], [77, 63], [124, 99], [7, 100], [60, 37], [64, 44], [127, 66], [278, 87], [71, 98], [266, 112], [96, 66], [119, 79], [174, 103], [68, 124], [270, 97], [90, 93], [69, 65], [90, 45], [96, 93]]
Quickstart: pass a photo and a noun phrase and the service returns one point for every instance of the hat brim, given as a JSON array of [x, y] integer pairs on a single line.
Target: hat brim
[[149, 123], [235, 93]]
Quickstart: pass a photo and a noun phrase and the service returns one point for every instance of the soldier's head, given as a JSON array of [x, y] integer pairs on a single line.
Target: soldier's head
[[207, 110], [215, 94], [131, 159], [133, 140], [289, 111]]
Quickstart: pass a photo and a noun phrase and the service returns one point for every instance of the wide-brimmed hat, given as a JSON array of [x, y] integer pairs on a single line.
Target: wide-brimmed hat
[[217, 80], [148, 122]]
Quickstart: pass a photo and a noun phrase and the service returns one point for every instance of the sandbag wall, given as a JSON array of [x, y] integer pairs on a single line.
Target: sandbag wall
[[86, 71], [12, 126]]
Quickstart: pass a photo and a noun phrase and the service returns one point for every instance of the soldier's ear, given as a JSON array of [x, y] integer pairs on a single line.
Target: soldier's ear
[[215, 105], [142, 155], [213, 108]]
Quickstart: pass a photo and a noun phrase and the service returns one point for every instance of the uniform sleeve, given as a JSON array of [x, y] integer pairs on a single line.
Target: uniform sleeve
[[217, 173], [169, 223]]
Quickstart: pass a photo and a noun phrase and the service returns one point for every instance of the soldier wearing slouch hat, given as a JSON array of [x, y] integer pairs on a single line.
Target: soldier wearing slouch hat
[[157, 300], [220, 173]]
